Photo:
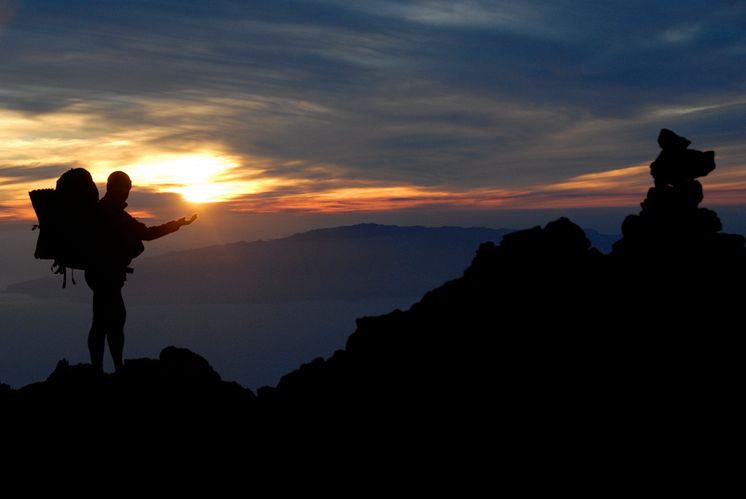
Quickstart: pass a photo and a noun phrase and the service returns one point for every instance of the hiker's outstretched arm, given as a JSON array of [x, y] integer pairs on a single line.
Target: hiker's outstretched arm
[[156, 231]]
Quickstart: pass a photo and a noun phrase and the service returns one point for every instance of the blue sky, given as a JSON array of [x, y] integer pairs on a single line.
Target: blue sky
[[330, 102]]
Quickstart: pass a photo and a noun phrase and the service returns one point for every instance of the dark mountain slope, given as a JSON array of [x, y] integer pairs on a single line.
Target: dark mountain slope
[[567, 363], [543, 317]]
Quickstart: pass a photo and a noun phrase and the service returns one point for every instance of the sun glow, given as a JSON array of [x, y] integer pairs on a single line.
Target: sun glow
[[198, 178]]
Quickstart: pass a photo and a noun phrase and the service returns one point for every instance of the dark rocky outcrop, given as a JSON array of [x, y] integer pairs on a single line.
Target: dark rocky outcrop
[[178, 383], [557, 344], [672, 225]]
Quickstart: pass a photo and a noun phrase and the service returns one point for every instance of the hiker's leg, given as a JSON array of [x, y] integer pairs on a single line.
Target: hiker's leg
[[116, 330], [98, 332]]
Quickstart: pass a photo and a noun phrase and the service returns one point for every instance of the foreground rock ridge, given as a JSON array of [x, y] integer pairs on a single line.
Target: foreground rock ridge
[[544, 340], [671, 222]]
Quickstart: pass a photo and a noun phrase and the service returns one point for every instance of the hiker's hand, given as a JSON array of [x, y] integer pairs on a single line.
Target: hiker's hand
[[184, 221]]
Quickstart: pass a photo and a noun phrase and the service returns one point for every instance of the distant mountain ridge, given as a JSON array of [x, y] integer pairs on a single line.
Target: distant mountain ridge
[[343, 263]]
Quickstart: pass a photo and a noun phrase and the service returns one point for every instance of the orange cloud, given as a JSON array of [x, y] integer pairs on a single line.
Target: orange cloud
[[613, 188], [207, 172], [621, 187]]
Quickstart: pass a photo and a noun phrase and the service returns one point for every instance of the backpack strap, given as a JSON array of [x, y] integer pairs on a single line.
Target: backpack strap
[[58, 268]]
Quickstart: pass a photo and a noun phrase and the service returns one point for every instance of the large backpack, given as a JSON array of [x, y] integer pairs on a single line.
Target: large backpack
[[67, 216]]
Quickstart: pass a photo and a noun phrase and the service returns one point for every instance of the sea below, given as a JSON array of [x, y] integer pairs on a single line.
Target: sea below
[[253, 344]]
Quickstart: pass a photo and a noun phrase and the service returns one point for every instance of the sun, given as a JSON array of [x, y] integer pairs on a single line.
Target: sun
[[198, 178], [204, 193]]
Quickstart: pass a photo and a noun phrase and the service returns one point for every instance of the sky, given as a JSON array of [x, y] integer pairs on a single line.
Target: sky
[[419, 111]]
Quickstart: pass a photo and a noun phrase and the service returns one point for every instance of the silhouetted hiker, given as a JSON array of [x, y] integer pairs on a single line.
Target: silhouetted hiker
[[118, 240]]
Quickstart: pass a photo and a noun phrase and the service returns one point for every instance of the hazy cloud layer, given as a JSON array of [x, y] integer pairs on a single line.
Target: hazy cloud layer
[[442, 95]]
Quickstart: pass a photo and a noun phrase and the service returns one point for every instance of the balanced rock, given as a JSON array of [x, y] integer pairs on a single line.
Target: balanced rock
[[677, 164]]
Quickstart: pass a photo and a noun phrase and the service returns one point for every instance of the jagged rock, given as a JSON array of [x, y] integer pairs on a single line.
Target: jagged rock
[[520, 241], [557, 240], [673, 200], [187, 365], [566, 237], [707, 221], [79, 374], [668, 140], [671, 223], [676, 164], [179, 382]]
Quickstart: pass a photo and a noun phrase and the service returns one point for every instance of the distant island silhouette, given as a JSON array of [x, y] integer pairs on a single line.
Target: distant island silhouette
[[544, 345]]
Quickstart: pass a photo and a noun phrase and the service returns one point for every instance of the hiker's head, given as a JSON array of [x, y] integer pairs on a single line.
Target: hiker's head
[[119, 184]]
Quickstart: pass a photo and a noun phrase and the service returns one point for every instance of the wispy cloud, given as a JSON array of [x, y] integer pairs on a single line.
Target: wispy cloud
[[620, 187], [509, 15], [440, 100], [681, 34]]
